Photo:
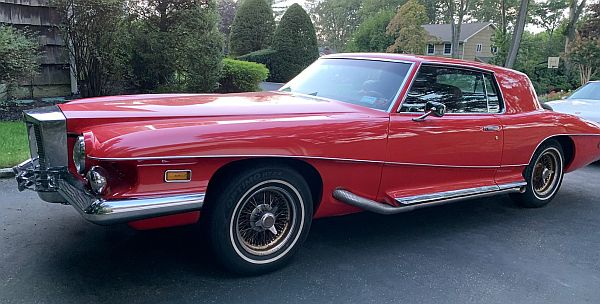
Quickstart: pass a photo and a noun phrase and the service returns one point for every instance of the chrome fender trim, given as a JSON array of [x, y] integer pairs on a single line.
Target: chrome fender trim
[[106, 212], [421, 201]]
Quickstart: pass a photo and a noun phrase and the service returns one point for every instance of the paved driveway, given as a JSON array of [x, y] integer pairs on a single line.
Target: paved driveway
[[481, 251]]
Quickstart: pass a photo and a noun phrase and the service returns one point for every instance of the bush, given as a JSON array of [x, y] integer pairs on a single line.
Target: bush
[[268, 57], [18, 55], [241, 76], [295, 43], [252, 27]]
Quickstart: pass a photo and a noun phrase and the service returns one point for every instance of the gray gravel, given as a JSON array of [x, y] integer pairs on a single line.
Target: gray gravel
[[481, 251]]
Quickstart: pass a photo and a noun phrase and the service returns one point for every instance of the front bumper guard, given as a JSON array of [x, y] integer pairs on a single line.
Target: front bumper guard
[[98, 210]]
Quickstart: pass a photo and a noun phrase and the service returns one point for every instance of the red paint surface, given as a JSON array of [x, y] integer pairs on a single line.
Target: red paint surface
[[166, 221], [385, 155]]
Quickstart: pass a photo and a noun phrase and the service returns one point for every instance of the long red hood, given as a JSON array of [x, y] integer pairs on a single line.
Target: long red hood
[[249, 123], [92, 111]]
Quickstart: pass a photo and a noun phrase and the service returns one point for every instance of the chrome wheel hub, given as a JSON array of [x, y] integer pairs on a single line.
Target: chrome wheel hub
[[546, 173], [265, 220]]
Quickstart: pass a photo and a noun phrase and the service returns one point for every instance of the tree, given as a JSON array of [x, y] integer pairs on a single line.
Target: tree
[[584, 52], [227, 9], [548, 14], [517, 34], [176, 45], [371, 35], [502, 13], [407, 28], [199, 48], [19, 55], [295, 42], [457, 9], [252, 27], [336, 21], [372, 7], [96, 39], [575, 10]]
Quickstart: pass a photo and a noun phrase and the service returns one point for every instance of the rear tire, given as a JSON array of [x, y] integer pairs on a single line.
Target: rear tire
[[259, 219], [544, 175]]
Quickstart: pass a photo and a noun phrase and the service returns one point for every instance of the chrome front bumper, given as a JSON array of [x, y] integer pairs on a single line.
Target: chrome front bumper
[[101, 211]]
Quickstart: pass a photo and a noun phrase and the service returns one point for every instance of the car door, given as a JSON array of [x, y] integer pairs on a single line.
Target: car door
[[459, 151]]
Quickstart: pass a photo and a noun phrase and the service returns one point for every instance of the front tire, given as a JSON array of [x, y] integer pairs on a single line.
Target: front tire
[[544, 175], [259, 219]]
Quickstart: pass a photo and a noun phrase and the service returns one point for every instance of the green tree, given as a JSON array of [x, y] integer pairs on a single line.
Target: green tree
[[371, 36], [336, 21], [584, 52], [175, 45], [372, 7], [252, 27], [199, 48], [407, 29], [548, 14], [97, 41], [19, 56], [295, 42]]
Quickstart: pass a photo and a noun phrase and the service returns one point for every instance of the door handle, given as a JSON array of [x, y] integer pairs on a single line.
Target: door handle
[[491, 128]]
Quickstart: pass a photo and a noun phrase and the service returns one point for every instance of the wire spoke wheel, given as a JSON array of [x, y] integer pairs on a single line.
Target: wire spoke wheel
[[546, 173], [265, 220]]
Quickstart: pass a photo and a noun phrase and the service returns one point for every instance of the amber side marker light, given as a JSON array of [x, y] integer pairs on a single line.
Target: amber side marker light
[[178, 176]]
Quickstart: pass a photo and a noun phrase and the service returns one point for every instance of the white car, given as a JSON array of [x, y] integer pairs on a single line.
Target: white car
[[584, 102]]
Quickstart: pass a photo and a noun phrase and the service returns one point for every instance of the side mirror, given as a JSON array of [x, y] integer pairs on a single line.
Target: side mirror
[[438, 109]]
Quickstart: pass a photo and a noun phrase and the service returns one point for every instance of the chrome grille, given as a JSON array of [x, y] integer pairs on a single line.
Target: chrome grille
[[39, 143]]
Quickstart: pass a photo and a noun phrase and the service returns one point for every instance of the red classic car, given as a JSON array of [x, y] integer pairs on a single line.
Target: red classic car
[[385, 133]]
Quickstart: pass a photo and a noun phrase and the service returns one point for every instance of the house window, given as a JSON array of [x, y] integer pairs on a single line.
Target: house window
[[494, 49], [447, 48], [430, 49], [478, 48]]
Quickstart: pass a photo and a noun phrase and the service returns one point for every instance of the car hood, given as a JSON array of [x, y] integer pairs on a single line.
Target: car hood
[[584, 108], [266, 123], [142, 107]]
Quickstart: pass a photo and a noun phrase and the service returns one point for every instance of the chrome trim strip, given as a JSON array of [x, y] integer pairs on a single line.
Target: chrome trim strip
[[458, 67], [114, 211], [395, 100], [105, 212], [296, 156], [382, 208], [424, 198]]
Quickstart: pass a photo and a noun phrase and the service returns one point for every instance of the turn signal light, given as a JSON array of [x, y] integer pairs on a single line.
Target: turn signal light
[[178, 176]]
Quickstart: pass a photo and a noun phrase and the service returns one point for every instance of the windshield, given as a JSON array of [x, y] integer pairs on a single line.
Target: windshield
[[369, 83], [589, 91]]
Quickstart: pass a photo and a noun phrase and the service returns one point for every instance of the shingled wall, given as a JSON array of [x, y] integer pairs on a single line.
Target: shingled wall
[[38, 17]]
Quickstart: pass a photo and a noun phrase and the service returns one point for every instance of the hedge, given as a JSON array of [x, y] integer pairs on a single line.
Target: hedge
[[241, 76]]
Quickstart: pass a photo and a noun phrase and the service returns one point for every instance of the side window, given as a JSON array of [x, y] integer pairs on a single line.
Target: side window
[[462, 91]]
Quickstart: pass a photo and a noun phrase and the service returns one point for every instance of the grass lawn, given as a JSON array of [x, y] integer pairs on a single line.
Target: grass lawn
[[14, 147]]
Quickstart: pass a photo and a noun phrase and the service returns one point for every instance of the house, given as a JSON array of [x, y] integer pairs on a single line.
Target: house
[[475, 41], [40, 18]]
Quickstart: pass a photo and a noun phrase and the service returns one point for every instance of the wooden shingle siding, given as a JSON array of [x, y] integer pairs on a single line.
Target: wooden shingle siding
[[40, 19]]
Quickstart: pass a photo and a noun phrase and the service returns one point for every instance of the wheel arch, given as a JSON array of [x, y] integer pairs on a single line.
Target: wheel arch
[[567, 145], [309, 172]]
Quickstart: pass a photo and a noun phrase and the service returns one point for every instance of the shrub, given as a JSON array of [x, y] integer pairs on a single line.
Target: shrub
[[241, 76], [252, 27], [18, 55], [295, 43], [262, 56]]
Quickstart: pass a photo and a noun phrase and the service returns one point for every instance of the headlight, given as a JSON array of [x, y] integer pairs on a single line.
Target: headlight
[[79, 155], [97, 178]]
